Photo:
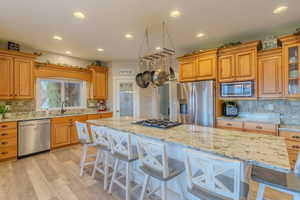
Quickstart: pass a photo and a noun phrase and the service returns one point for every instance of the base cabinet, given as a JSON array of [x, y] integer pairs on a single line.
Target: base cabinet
[[8, 140], [293, 145]]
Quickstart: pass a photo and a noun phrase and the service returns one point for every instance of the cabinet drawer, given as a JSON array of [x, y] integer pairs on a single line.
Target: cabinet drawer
[[82, 118], [290, 135], [8, 152], [230, 124], [106, 115], [293, 145], [63, 119], [250, 126], [293, 155], [8, 125], [8, 142], [9, 133]]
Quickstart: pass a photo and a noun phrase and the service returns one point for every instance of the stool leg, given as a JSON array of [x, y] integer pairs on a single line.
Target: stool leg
[[164, 190], [182, 197], [260, 192], [146, 181], [96, 162], [83, 158], [106, 171], [113, 176], [128, 185]]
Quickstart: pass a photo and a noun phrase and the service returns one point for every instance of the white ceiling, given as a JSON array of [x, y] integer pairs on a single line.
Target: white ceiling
[[35, 22]]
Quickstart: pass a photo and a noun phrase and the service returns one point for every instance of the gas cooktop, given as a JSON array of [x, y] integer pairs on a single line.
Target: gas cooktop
[[164, 124]]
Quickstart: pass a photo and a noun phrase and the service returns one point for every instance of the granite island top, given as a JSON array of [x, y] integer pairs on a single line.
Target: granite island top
[[49, 116], [263, 150]]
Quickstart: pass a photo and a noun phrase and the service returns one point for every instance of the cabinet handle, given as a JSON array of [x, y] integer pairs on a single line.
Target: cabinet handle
[[296, 147], [4, 134], [3, 153], [4, 126], [259, 127], [4, 143], [296, 137], [229, 124]]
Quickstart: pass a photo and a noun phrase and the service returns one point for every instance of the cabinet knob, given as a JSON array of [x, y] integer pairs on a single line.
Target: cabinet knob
[[296, 147], [3, 153], [3, 126], [259, 127], [4, 143], [296, 137], [4, 134], [229, 124]]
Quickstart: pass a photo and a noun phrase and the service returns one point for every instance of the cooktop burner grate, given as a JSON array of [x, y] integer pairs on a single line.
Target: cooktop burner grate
[[164, 124]]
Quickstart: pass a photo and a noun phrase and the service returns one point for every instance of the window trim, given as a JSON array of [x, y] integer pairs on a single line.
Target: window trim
[[62, 80]]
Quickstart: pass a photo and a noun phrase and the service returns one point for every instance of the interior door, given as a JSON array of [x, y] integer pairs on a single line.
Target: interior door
[[126, 98]]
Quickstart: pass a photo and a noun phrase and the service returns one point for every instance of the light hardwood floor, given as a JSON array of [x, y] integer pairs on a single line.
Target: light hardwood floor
[[55, 176]]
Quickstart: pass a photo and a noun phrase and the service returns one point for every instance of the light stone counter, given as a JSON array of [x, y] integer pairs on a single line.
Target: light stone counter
[[48, 116], [291, 128], [264, 150]]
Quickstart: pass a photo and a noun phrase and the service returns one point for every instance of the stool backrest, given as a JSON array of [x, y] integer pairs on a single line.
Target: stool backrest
[[213, 173], [297, 166], [83, 133], [120, 142], [100, 137], [153, 155]]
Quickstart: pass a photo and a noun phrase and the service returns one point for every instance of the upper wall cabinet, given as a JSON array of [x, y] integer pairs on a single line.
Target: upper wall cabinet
[[16, 75], [98, 89], [270, 73], [202, 66], [291, 60], [238, 63]]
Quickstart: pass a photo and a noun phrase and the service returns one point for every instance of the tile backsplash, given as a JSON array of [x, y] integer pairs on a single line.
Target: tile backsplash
[[289, 110]]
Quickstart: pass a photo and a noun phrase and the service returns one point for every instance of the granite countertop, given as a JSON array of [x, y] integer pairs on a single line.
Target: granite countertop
[[264, 150], [49, 116]]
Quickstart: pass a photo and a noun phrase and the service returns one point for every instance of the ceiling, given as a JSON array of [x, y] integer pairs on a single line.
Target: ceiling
[[34, 23]]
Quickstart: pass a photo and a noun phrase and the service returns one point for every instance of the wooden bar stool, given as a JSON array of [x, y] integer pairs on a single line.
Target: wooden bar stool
[[86, 140], [155, 163], [103, 152], [214, 177], [284, 182], [124, 153]]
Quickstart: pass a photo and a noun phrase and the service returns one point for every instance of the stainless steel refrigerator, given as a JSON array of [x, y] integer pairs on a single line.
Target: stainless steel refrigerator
[[197, 103]]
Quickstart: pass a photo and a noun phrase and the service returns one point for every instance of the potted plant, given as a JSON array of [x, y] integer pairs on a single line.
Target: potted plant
[[3, 110]]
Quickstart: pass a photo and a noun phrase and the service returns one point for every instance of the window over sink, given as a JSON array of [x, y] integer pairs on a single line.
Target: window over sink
[[51, 93]]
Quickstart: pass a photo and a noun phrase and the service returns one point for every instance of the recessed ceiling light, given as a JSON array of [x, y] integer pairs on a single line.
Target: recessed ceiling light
[[128, 36], [175, 13], [78, 15], [280, 9], [199, 35], [68, 52], [157, 48], [100, 49], [56, 37]]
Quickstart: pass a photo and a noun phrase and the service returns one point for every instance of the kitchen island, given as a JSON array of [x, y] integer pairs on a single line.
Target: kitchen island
[[263, 150]]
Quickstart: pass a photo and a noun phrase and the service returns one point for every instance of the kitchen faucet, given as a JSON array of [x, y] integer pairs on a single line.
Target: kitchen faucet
[[62, 110]]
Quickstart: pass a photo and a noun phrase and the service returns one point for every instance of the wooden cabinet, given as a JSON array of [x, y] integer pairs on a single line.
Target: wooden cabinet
[[293, 144], [63, 130], [16, 75], [201, 66], [98, 87], [8, 140], [291, 60], [187, 69], [263, 128], [238, 63], [226, 68], [270, 73]]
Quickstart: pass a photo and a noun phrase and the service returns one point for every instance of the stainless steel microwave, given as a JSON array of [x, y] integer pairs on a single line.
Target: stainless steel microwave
[[238, 89]]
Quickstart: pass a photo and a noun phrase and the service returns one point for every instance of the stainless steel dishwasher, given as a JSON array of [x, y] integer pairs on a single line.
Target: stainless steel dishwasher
[[33, 136]]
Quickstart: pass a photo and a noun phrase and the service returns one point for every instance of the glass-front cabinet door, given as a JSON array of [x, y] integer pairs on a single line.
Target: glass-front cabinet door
[[292, 70]]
